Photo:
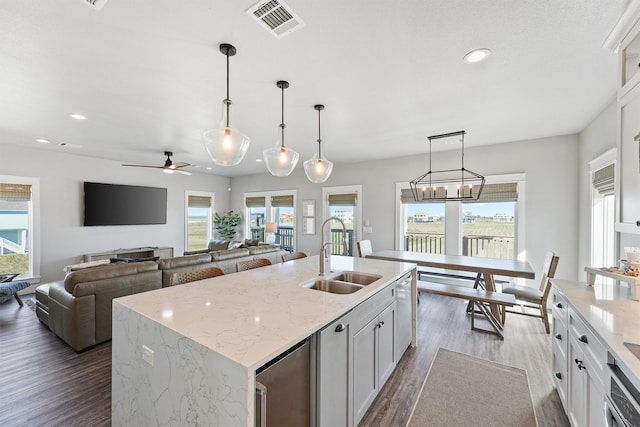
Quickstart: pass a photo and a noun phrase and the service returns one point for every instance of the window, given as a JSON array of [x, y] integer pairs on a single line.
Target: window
[[199, 226], [603, 235], [276, 207], [489, 227], [343, 202], [19, 235]]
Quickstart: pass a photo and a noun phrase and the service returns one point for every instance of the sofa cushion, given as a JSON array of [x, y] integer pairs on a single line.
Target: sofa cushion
[[233, 253], [219, 245], [184, 261], [106, 272], [196, 252], [261, 249]]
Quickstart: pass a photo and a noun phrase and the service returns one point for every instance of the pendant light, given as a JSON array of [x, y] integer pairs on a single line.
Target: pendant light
[[318, 168], [226, 145], [281, 160]]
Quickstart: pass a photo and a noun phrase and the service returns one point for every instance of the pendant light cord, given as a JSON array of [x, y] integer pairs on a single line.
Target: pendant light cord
[[227, 101], [319, 138], [282, 122]]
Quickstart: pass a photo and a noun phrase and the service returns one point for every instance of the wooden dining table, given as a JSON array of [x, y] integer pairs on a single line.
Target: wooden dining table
[[487, 267]]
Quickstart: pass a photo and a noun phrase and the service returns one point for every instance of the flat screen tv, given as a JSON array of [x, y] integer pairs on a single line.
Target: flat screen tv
[[112, 204]]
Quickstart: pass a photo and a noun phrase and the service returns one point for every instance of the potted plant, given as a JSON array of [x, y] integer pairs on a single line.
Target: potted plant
[[227, 224]]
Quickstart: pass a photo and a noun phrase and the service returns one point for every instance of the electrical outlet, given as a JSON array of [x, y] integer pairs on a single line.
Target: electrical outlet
[[147, 355]]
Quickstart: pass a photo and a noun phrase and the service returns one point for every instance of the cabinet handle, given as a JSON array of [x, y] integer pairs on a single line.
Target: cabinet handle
[[579, 363], [638, 222], [559, 305], [558, 375], [381, 323], [340, 327], [559, 337], [583, 338]]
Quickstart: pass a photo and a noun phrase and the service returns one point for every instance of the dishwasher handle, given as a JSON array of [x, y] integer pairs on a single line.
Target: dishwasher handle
[[261, 411]]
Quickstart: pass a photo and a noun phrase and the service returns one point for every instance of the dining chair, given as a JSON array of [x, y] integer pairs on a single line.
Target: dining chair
[[251, 264], [529, 297], [364, 248], [192, 275], [293, 255]]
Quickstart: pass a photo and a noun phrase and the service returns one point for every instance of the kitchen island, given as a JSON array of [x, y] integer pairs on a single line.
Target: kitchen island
[[188, 354]]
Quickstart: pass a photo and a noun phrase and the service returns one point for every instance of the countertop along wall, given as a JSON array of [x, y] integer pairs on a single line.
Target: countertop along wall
[[64, 239], [551, 168]]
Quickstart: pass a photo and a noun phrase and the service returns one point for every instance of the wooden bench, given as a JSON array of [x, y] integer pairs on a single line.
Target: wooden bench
[[479, 298]]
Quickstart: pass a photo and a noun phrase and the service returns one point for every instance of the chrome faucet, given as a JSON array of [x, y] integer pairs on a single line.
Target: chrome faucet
[[323, 246]]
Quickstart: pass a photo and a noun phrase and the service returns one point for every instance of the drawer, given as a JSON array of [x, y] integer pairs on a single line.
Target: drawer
[[560, 376], [590, 345], [369, 309], [560, 339], [559, 308]]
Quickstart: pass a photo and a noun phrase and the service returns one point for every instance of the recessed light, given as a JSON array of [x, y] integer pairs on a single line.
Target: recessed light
[[259, 160], [477, 55], [77, 116], [209, 168], [42, 141]]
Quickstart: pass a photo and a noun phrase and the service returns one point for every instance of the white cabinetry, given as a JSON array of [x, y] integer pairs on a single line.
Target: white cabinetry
[[587, 358], [333, 368], [560, 343]]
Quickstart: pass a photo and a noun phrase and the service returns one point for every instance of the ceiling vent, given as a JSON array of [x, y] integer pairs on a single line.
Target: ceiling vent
[[96, 4], [276, 16]]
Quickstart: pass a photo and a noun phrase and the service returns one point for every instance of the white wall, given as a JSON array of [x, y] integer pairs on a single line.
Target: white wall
[[550, 165], [63, 237], [597, 138]]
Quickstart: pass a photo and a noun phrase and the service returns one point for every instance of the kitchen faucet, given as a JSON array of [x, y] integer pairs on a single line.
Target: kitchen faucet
[[323, 246]]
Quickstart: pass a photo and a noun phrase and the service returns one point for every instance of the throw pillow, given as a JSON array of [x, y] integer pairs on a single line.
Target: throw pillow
[[218, 245], [130, 260], [249, 242]]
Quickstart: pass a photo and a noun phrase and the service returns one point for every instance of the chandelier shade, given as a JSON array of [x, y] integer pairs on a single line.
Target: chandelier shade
[[225, 144], [281, 160], [318, 168], [449, 184]]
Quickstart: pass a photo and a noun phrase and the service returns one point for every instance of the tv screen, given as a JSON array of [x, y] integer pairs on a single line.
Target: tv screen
[[111, 204]]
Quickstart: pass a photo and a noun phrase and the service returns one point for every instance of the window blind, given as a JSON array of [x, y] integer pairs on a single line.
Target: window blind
[[504, 192], [342, 199], [15, 192], [604, 179], [199, 202], [254, 202], [282, 201]]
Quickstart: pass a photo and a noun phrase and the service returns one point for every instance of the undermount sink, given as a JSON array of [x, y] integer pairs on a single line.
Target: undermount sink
[[346, 282], [357, 277], [332, 286]]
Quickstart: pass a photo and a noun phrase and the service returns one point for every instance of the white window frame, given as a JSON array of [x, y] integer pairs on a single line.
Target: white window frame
[[33, 275], [453, 217], [605, 159], [268, 210], [188, 193]]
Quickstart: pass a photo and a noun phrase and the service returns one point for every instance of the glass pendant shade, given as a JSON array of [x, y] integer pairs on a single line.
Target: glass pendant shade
[[225, 144], [318, 168], [281, 160]]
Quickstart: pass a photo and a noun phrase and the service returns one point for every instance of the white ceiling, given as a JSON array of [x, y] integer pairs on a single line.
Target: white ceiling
[[150, 77]]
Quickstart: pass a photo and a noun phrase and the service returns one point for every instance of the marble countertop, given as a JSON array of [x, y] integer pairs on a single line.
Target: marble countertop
[[252, 316], [611, 314]]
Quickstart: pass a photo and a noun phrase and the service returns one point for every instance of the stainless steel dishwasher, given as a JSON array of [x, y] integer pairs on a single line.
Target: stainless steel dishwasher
[[403, 307], [283, 394]]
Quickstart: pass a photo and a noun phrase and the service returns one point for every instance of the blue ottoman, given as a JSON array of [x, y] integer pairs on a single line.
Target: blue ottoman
[[10, 289]]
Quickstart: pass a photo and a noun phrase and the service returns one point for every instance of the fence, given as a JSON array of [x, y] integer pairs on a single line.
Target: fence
[[472, 245], [284, 238]]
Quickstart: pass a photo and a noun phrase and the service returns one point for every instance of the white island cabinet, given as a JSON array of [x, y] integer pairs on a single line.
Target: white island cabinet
[[188, 354]]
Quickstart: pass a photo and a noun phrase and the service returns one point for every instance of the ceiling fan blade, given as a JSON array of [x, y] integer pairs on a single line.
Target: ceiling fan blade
[[182, 172], [144, 166], [181, 165]]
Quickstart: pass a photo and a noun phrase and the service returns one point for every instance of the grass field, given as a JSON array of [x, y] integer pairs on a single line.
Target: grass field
[[14, 263], [478, 228]]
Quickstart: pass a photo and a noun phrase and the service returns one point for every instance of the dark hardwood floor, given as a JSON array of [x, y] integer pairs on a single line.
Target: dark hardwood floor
[[43, 382]]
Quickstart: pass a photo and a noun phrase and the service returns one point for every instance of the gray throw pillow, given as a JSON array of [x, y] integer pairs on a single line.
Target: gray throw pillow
[[218, 245]]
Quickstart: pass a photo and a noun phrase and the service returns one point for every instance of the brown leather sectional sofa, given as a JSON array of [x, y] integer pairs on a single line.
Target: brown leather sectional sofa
[[78, 309]]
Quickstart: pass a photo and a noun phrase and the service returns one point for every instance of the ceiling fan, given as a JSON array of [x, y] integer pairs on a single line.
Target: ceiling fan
[[168, 167]]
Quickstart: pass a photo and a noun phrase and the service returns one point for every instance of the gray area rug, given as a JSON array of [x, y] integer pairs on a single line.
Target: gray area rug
[[463, 390]]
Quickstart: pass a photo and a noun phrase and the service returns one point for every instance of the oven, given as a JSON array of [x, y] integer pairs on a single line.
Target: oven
[[621, 405]]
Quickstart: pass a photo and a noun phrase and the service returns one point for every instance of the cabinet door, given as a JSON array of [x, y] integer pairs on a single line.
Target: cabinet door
[[365, 379], [333, 373], [575, 392], [387, 350], [629, 162], [594, 398]]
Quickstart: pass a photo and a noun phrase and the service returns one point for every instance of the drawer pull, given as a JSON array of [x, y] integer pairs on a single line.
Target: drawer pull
[[558, 375], [579, 363], [340, 327], [559, 337], [559, 305], [583, 338]]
